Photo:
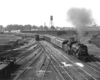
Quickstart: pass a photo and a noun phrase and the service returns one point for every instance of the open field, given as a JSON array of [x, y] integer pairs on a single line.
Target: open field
[[96, 40], [4, 38]]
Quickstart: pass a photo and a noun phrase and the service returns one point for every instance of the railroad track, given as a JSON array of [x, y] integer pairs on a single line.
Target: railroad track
[[54, 66], [18, 53], [62, 72], [93, 58], [24, 61], [13, 52], [28, 64], [42, 68], [22, 56], [64, 66], [73, 68]]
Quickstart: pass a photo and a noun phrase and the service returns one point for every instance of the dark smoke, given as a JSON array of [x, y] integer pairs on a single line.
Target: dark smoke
[[80, 17]]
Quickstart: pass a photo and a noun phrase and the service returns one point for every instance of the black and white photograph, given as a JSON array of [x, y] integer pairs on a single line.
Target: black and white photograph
[[49, 40]]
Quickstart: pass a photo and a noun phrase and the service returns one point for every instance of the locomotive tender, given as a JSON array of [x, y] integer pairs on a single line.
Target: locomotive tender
[[70, 46]]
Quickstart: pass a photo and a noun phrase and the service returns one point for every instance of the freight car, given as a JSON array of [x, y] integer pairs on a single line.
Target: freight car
[[37, 37], [71, 46]]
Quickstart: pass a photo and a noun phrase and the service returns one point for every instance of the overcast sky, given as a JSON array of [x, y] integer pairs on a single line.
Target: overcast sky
[[38, 11]]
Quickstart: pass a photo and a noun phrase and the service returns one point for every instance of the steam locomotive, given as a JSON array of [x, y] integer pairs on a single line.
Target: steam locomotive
[[71, 46]]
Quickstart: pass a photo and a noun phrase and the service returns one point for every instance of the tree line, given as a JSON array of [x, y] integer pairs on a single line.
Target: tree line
[[27, 27]]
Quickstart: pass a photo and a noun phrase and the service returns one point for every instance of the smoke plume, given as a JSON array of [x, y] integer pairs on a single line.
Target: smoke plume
[[80, 17]]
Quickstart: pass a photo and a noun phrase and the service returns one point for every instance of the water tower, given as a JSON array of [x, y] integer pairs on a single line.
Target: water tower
[[51, 20]]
